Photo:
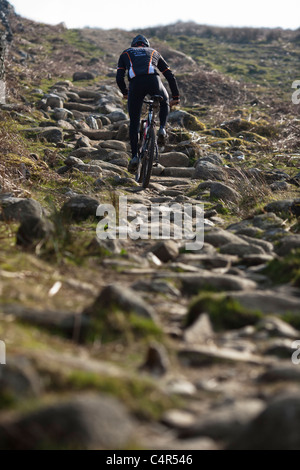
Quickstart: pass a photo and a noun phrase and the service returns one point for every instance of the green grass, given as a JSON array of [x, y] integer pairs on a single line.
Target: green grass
[[224, 312], [126, 327], [285, 270], [141, 396], [74, 38]]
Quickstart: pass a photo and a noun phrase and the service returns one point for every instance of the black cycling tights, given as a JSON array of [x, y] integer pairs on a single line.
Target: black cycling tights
[[139, 87]]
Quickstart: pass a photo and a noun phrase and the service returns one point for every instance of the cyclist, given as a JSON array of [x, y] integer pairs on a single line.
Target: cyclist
[[142, 63]]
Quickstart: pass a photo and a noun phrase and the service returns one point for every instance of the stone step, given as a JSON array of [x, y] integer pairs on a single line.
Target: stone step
[[179, 172], [169, 181]]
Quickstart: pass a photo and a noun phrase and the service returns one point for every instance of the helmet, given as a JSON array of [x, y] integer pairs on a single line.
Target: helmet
[[140, 41]]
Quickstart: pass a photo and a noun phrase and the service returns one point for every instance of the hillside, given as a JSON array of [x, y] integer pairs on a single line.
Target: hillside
[[145, 344]]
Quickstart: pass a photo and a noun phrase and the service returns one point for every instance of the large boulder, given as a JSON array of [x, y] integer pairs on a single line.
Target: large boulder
[[77, 76], [224, 192], [33, 230], [86, 421], [125, 299], [174, 159], [187, 120], [276, 428], [19, 209], [79, 208], [208, 171]]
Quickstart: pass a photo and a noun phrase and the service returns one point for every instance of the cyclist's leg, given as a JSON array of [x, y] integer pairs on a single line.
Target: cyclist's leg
[[157, 88], [135, 103]]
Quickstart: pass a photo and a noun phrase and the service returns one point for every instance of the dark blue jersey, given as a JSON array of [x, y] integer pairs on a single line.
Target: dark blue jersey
[[143, 61]]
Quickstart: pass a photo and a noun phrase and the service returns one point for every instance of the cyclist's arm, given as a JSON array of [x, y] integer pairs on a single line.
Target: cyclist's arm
[[120, 78], [168, 74]]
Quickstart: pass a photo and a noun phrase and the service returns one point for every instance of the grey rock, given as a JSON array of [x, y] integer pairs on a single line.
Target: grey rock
[[89, 94], [275, 327], [166, 250], [240, 249], [267, 301], [265, 245], [224, 192], [62, 114], [65, 125], [52, 134], [73, 161], [33, 230], [179, 172], [212, 158], [279, 186], [157, 361], [157, 170], [89, 168], [198, 356], [200, 331], [295, 209], [221, 237], [82, 152], [86, 421], [279, 207], [122, 297], [66, 322], [254, 260], [208, 171], [111, 246], [77, 76], [192, 284], [267, 221], [156, 286], [117, 115], [19, 209], [279, 347], [80, 208], [54, 101], [174, 159], [249, 231], [276, 428], [19, 378], [178, 419], [83, 141], [114, 145], [92, 122], [287, 244], [81, 107], [281, 373], [185, 119], [224, 422]]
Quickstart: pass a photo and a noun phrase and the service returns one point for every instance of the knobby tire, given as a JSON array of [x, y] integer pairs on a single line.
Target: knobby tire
[[148, 158]]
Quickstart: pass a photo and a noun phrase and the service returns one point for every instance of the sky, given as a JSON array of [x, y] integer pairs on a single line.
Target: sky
[[107, 14]]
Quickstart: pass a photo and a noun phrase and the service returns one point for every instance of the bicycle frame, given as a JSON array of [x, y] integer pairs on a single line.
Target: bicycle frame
[[147, 130], [150, 121]]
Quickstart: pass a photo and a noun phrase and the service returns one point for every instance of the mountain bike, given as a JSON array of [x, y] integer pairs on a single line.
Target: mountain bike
[[148, 148]]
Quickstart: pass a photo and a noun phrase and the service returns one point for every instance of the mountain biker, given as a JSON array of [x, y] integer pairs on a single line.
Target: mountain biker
[[142, 63]]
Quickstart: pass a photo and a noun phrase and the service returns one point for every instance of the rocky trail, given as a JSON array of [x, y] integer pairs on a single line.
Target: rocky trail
[[143, 344]]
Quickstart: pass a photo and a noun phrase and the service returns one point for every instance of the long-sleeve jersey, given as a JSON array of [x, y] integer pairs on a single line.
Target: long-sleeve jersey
[[143, 61]]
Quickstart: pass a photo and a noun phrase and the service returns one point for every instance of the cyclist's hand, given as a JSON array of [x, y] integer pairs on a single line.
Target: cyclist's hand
[[125, 97], [174, 102]]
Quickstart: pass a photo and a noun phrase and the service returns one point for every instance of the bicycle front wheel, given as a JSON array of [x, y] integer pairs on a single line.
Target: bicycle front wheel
[[148, 157]]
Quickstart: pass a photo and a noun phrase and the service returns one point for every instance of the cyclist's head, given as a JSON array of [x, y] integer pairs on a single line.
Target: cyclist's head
[[140, 41]]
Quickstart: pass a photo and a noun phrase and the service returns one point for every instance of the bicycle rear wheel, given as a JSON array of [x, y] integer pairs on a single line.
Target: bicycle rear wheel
[[148, 157]]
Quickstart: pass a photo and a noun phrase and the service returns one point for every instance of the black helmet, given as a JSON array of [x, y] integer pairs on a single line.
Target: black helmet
[[140, 41]]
